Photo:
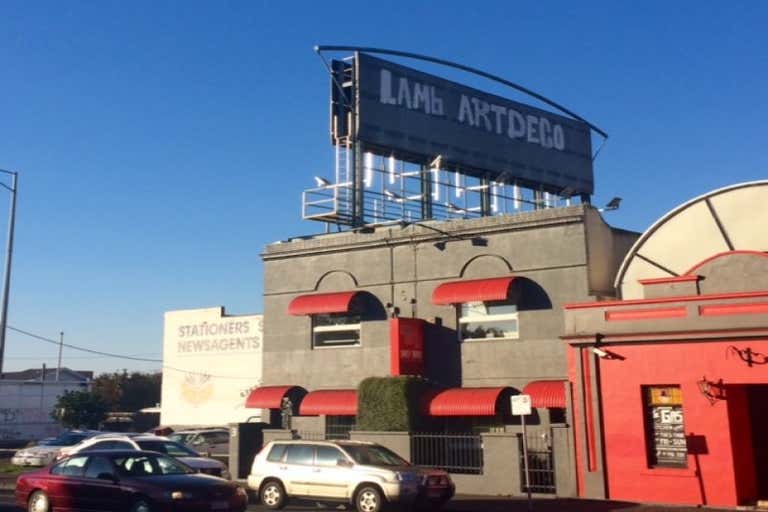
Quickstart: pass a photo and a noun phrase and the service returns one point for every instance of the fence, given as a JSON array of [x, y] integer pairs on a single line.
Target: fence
[[541, 463], [313, 435], [455, 453]]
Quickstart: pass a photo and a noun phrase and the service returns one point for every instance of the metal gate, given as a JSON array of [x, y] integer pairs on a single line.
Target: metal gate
[[541, 462]]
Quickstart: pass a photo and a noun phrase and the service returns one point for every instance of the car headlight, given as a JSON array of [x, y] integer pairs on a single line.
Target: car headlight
[[241, 492], [181, 495]]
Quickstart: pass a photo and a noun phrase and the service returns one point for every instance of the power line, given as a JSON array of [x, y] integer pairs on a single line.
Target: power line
[[130, 358], [90, 351]]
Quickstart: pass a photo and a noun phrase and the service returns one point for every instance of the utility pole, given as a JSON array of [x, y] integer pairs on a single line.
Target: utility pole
[[61, 346], [8, 253]]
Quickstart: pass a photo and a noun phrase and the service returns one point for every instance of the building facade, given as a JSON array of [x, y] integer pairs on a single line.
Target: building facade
[[29, 397], [476, 306], [671, 381], [211, 361]]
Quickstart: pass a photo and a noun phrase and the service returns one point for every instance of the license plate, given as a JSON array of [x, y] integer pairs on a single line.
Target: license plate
[[220, 505]]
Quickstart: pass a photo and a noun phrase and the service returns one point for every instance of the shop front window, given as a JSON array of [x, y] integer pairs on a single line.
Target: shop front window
[[488, 321], [335, 330], [664, 427]]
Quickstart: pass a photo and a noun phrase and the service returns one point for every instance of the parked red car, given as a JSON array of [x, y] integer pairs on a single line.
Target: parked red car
[[126, 481]]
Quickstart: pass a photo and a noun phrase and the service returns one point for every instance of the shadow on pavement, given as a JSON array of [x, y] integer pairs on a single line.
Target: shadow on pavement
[[490, 504]]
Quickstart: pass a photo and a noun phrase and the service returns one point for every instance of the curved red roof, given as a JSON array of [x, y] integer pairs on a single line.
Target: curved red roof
[[270, 397], [546, 393], [320, 303], [466, 402], [330, 402], [472, 290]]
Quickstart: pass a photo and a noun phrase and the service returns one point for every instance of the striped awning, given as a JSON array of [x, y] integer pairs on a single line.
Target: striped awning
[[546, 393], [467, 402], [271, 397], [472, 290], [322, 303], [329, 402]]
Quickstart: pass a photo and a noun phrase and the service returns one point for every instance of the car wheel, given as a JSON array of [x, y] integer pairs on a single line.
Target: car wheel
[[273, 495], [141, 506], [38, 502], [369, 499]]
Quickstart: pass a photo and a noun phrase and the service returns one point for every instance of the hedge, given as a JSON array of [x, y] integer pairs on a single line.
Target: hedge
[[391, 404]]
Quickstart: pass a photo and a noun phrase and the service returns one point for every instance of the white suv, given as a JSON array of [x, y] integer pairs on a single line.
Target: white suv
[[153, 444], [366, 475]]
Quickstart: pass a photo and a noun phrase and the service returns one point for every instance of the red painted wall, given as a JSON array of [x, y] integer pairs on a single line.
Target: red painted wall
[[683, 364], [741, 441]]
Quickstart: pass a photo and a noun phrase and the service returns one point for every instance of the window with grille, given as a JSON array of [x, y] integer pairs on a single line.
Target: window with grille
[[335, 329]]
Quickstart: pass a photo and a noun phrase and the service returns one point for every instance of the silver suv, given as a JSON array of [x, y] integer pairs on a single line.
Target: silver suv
[[366, 475]]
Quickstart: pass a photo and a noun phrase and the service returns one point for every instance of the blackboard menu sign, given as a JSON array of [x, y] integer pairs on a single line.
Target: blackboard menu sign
[[664, 427]]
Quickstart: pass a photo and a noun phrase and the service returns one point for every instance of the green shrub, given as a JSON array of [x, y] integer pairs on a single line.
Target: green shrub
[[391, 404]]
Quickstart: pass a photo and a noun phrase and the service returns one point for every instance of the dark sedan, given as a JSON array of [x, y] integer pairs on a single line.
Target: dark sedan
[[126, 481]]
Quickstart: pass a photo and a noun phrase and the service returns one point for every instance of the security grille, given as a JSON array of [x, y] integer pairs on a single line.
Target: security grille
[[541, 462], [455, 453]]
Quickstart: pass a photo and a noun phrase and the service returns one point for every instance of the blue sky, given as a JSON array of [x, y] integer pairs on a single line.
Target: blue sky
[[161, 145]]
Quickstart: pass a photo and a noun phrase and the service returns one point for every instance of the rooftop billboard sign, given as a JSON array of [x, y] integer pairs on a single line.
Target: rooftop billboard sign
[[419, 116]]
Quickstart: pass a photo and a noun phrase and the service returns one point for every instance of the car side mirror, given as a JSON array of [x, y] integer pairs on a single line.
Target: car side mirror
[[344, 463], [108, 477]]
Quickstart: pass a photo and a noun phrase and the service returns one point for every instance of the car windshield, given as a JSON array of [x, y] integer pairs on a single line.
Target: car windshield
[[64, 440], [150, 465], [171, 448], [374, 455], [182, 438]]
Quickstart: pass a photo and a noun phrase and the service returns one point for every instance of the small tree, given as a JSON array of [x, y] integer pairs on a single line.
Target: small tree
[[128, 392], [80, 409]]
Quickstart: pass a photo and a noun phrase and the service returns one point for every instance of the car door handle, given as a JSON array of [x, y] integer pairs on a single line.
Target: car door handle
[[283, 467], [316, 470]]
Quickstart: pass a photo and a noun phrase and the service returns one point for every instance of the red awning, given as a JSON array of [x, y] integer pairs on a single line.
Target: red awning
[[321, 303], [472, 290], [270, 397], [330, 402], [466, 402], [546, 393]]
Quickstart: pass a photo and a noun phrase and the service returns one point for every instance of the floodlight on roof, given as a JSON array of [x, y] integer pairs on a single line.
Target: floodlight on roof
[[613, 204]]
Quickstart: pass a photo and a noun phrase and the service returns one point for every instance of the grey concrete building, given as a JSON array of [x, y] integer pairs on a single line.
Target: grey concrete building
[[439, 272]]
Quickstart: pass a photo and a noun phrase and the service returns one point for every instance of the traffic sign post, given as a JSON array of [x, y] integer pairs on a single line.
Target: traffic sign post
[[521, 406]]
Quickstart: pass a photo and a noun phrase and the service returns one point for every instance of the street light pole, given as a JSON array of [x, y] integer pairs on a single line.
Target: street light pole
[[8, 252]]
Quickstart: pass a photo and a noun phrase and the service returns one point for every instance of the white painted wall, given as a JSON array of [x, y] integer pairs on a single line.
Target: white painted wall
[[26, 406], [211, 361]]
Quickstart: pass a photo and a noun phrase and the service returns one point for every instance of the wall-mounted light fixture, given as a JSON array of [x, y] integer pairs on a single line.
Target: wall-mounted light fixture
[[603, 353], [712, 391], [392, 310], [321, 182], [613, 204]]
